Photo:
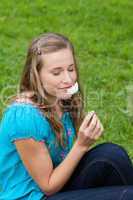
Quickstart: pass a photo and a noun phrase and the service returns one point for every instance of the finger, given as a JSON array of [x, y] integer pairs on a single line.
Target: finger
[[98, 135], [98, 125], [98, 131], [86, 120], [93, 123], [95, 129], [90, 129]]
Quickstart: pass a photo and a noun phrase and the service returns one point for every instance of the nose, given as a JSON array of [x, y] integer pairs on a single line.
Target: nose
[[67, 78]]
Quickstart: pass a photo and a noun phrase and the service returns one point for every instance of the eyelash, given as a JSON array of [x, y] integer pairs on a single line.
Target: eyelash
[[57, 73]]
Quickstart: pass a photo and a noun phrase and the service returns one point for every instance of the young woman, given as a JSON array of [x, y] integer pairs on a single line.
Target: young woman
[[46, 138]]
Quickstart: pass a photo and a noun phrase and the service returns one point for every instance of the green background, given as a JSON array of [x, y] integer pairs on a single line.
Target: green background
[[102, 33]]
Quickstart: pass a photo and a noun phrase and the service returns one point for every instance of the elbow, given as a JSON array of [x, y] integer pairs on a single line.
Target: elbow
[[47, 190], [51, 192], [48, 193]]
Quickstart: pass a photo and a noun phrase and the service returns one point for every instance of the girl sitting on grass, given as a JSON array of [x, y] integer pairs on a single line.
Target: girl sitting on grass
[[46, 139]]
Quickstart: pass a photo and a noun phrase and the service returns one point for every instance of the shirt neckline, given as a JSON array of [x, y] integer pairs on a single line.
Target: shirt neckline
[[62, 119]]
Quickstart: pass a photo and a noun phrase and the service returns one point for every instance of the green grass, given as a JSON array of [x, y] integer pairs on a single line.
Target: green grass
[[101, 32]]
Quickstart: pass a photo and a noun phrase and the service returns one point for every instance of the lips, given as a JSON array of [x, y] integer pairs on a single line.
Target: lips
[[66, 87], [73, 89]]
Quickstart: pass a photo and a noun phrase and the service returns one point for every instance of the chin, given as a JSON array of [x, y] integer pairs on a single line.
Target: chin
[[64, 97]]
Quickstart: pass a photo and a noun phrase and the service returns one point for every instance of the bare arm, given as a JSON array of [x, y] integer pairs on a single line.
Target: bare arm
[[63, 172], [36, 159]]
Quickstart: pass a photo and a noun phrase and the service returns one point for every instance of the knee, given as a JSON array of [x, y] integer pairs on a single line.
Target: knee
[[127, 194], [110, 151], [112, 148]]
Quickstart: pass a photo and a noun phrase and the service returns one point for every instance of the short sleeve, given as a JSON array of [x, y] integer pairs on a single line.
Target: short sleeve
[[26, 121]]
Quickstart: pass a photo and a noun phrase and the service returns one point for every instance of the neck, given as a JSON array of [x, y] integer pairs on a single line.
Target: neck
[[57, 109]]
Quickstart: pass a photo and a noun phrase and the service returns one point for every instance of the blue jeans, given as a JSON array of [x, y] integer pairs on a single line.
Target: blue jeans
[[104, 173]]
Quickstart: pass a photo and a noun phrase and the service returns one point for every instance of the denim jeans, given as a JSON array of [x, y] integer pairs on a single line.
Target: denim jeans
[[104, 173]]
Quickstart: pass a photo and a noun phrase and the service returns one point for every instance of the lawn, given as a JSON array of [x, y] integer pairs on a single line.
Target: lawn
[[102, 33]]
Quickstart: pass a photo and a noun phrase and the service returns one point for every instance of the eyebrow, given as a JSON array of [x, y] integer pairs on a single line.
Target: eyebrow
[[61, 67]]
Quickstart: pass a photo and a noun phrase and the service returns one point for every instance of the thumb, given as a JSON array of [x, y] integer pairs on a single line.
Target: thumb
[[86, 120]]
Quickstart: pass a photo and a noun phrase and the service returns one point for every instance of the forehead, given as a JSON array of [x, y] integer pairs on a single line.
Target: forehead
[[61, 58]]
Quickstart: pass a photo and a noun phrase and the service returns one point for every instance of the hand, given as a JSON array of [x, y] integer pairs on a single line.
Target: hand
[[90, 130]]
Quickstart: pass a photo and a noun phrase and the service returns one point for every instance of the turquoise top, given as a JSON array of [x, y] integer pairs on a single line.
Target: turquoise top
[[24, 120]]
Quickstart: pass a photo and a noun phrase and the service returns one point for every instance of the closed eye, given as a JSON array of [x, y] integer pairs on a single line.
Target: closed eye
[[56, 73], [58, 70], [71, 70]]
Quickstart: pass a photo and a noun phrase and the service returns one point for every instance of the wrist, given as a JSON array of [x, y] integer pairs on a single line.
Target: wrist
[[80, 148]]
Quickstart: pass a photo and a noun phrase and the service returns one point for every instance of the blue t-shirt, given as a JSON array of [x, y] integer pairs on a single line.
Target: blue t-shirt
[[24, 120]]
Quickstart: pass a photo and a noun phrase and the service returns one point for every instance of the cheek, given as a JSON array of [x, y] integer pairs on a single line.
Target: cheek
[[74, 76], [50, 82]]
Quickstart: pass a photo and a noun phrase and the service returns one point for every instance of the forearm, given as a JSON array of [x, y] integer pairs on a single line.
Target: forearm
[[64, 170]]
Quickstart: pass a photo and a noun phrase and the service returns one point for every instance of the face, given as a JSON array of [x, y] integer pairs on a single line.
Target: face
[[58, 73]]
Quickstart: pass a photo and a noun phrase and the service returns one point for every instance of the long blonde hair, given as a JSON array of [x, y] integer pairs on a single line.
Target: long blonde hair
[[30, 81]]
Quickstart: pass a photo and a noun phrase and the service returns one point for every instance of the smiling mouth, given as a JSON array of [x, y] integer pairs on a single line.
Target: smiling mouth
[[66, 87]]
